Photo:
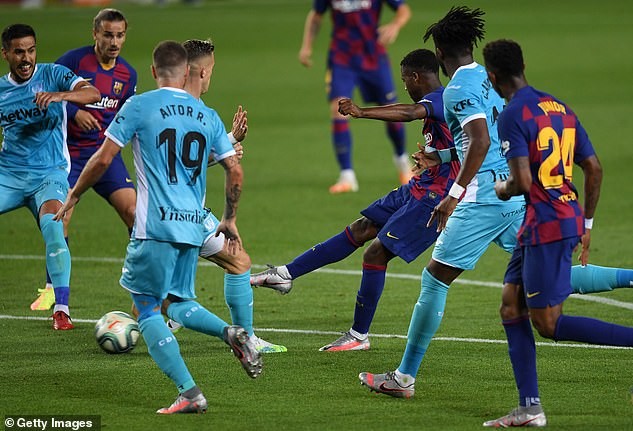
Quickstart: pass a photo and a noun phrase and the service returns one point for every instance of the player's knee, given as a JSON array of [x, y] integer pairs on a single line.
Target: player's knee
[[545, 326], [363, 230], [376, 254]]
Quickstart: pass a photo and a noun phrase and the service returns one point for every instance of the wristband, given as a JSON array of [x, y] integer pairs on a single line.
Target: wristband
[[589, 223], [231, 138], [456, 191]]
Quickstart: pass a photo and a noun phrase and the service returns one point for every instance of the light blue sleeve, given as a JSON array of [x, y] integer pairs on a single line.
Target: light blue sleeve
[[464, 103], [64, 78], [123, 127]]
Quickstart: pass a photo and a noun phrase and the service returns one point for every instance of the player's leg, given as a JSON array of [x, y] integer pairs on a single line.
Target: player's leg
[[546, 290], [332, 250], [378, 87], [46, 201], [341, 83], [404, 234], [594, 278], [521, 350], [117, 188]]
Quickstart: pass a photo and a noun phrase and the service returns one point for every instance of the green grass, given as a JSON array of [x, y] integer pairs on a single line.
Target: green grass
[[576, 50]]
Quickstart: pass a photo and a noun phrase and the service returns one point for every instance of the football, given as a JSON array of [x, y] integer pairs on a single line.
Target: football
[[117, 332]]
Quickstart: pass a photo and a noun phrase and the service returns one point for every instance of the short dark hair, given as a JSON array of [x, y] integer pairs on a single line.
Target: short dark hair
[[109, 15], [168, 56], [16, 31], [422, 60], [458, 32], [504, 58], [197, 48]]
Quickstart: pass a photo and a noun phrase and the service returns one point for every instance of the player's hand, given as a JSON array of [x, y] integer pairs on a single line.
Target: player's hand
[[239, 150], [347, 107], [240, 124], [69, 203], [585, 241], [232, 240], [86, 121], [424, 160], [387, 34], [44, 98], [501, 190], [442, 212], [305, 57]]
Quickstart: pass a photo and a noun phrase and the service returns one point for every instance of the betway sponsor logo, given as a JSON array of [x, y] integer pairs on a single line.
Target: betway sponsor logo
[[347, 6], [21, 115], [176, 214], [105, 103]]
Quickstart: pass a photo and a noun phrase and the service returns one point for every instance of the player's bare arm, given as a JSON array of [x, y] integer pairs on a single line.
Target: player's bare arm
[[519, 180], [388, 33], [94, 169], [592, 171], [310, 32], [477, 135], [233, 190], [82, 94], [397, 112]]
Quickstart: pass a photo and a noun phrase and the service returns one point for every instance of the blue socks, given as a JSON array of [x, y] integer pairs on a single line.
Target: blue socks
[[194, 316], [371, 287], [522, 351], [57, 257], [426, 319], [395, 131], [333, 250], [238, 295], [593, 279], [342, 140], [161, 343], [587, 330]]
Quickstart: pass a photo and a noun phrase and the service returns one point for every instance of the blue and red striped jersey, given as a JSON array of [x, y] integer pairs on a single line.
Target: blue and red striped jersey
[[116, 85], [355, 31], [437, 179], [544, 129]]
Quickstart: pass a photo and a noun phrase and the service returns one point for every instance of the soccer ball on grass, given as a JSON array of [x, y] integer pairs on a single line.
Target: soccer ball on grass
[[117, 332]]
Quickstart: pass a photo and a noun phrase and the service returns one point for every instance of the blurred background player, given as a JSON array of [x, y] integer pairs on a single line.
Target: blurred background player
[[540, 133], [162, 255], [238, 293], [396, 223], [357, 58], [101, 65], [33, 160]]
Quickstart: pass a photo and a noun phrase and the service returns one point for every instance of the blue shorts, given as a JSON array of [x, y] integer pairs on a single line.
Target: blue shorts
[[116, 177], [376, 86], [513, 270], [156, 268], [31, 189], [402, 220], [473, 227], [546, 271]]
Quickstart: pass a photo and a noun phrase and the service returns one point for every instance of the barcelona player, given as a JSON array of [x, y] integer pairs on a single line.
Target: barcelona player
[[162, 255], [101, 65], [541, 137], [33, 157], [396, 223], [357, 58]]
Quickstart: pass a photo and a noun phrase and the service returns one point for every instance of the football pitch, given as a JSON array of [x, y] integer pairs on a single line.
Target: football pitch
[[579, 51]]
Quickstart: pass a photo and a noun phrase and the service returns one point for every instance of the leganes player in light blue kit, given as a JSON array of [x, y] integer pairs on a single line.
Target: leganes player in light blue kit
[[173, 135], [34, 161]]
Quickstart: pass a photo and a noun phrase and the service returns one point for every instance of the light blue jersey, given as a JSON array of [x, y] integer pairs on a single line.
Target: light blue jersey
[[172, 135], [469, 96], [34, 138]]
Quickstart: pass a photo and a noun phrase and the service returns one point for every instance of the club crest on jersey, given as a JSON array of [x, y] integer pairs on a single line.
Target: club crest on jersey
[[117, 87]]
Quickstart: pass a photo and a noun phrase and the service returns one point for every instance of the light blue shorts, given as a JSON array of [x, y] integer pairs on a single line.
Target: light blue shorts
[[31, 189], [156, 268], [473, 227]]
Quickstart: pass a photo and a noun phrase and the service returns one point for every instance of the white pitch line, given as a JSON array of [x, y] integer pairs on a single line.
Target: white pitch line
[[355, 273], [403, 337]]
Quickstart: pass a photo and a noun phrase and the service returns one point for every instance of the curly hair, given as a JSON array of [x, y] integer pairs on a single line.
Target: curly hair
[[504, 58], [458, 32]]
